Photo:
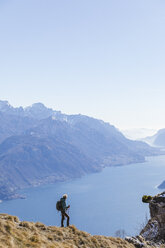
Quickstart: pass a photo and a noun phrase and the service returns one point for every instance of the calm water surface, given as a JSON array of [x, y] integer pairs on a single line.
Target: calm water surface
[[101, 203]]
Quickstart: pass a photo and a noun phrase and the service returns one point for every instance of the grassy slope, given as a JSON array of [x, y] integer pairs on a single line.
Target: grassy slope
[[17, 234], [20, 234]]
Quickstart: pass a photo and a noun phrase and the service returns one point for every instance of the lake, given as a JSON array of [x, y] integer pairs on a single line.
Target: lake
[[101, 203]]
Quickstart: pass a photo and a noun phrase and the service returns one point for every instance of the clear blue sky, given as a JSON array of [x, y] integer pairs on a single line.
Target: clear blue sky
[[103, 58]]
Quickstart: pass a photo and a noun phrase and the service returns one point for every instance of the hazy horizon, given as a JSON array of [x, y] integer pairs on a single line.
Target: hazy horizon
[[103, 59]]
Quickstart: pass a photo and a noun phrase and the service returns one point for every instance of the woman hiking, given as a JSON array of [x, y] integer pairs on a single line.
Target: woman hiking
[[64, 209]]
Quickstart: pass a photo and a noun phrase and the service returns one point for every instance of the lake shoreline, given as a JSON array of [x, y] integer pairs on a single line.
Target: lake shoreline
[[15, 195]]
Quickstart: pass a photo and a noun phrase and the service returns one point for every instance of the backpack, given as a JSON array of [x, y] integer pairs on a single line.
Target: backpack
[[59, 206]]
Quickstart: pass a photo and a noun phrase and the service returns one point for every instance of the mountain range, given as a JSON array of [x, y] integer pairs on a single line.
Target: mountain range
[[39, 145]]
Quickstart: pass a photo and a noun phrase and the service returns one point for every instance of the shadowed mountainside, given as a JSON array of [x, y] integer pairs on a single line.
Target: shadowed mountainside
[[162, 185]]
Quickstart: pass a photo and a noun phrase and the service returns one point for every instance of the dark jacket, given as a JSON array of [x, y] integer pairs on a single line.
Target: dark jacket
[[63, 203]]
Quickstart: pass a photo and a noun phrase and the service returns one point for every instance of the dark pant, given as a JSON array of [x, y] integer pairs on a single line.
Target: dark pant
[[63, 215]]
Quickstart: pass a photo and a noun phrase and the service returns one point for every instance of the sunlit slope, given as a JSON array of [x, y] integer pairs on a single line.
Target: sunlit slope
[[17, 234]]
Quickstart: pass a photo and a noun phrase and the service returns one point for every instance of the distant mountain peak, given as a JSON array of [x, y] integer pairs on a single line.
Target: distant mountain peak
[[4, 102], [4, 105], [38, 110], [37, 106]]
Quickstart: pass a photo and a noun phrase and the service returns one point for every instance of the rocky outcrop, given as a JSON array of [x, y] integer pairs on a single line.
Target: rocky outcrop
[[155, 229], [153, 234], [140, 242]]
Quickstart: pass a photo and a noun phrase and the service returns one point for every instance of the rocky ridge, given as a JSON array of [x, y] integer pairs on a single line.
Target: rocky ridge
[[153, 234], [155, 229]]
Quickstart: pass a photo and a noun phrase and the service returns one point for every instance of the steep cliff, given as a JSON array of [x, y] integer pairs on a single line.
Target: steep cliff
[[153, 234], [155, 229]]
